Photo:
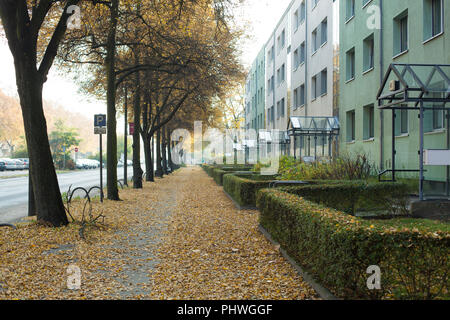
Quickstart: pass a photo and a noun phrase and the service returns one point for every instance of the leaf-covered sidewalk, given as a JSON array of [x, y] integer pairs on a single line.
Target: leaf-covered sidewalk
[[178, 238]]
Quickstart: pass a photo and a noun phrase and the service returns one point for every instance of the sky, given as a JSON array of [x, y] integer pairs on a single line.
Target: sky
[[258, 16]]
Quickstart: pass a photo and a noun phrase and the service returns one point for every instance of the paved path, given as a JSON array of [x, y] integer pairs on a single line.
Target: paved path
[[178, 238]]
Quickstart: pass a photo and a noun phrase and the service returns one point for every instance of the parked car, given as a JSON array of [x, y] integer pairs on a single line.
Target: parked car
[[87, 164], [20, 165], [26, 162], [10, 165], [2, 165]]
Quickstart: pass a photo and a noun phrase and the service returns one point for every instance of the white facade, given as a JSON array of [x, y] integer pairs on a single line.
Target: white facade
[[315, 34], [278, 74], [307, 86]]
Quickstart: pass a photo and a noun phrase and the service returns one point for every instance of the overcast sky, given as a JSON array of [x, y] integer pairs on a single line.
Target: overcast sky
[[259, 16]]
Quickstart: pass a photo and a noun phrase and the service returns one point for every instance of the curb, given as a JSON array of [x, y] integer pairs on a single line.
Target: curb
[[323, 292]]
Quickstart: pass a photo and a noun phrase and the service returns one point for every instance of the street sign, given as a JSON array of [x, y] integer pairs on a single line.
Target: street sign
[[100, 130], [131, 128], [76, 149], [100, 120]]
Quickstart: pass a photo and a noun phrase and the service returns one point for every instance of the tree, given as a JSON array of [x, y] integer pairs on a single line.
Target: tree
[[62, 139], [22, 32]]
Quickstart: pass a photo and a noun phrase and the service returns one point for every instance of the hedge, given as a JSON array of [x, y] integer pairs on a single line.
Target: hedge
[[243, 188], [350, 197], [337, 248]]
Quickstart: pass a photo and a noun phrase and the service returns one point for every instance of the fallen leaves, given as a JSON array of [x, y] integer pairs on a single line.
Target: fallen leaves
[[178, 238]]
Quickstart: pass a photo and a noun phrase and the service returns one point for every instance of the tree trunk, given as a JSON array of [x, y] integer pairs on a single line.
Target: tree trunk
[[159, 170], [31, 202], [169, 152], [148, 158], [111, 165], [48, 201], [164, 150], [137, 170]]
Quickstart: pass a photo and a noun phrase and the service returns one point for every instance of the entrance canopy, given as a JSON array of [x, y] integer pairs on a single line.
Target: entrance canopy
[[411, 84], [312, 126], [314, 135], [424, 88]]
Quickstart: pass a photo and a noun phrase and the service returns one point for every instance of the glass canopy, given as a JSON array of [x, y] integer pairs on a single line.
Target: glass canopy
[[313, 126], [414, 83]]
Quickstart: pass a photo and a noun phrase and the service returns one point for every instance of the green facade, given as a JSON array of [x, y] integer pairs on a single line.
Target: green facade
[[406, 36], [255, 94]]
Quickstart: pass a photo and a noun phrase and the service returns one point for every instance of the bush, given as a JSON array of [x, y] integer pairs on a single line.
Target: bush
[[218, 176], [350, 197], [337, 248], [243, 188], [343, 168]]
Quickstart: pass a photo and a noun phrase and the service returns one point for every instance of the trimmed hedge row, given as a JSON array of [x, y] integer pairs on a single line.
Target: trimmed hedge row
[[350, 197], [243, 188], [337, 249]]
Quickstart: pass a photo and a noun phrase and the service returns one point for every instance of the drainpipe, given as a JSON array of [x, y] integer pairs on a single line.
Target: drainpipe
[[381, 81]]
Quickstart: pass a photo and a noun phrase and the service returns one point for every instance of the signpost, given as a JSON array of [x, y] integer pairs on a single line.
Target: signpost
[[100, 129], [131, 128]]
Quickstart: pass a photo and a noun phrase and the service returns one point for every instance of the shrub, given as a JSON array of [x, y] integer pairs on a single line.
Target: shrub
[[343, 168], [218, 176], [337, 248], [243, 188], [351, 197]]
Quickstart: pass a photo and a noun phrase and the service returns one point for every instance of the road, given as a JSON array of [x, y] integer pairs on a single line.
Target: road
[[14, 191]]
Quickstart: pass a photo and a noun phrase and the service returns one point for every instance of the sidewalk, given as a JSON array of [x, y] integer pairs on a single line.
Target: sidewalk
[[178, 238]]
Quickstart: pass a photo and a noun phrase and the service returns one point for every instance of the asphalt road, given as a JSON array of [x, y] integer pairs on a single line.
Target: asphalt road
[[14, 191]]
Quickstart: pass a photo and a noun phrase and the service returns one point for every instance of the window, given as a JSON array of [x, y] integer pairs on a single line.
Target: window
[[302, 53], [314, 3], [278, 109], [302, 12], [369, 122], [349, 9], [272, 84], [351, 126], [314, 88], [302, 95], [324, 31], [299, 96], [365, 2], [282, 105], [296, 20], [296, 59], [368, 51], [296, 98], [283, 73], [278, 77], [283, 38], [433, 119], [323, 82], [432, 18], [315, 44], [350, 64], [401, 33], [401, 122]]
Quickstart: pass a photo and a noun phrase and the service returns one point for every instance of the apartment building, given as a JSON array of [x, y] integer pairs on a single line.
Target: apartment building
[[255, 93], [373, 35], [299, 66], [278, 67]]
